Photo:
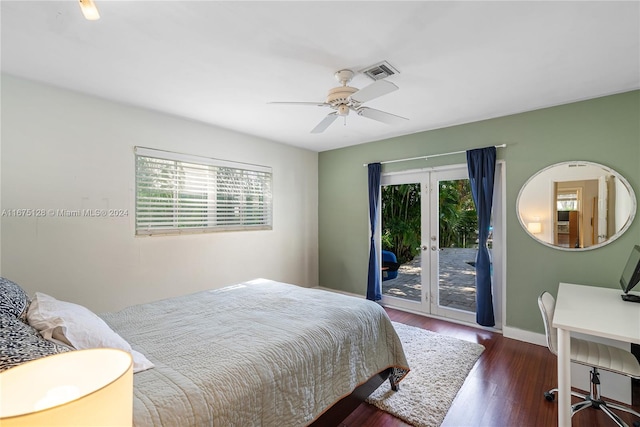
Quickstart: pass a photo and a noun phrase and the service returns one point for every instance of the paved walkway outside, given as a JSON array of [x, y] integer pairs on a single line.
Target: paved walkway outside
[[457, 279]]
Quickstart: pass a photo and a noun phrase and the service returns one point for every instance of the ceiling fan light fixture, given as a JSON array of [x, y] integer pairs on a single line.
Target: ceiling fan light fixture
[[343, 109], [89, 10]]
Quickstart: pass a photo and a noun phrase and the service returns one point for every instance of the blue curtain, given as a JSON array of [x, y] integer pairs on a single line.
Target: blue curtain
[[374, 288], [482, 166]]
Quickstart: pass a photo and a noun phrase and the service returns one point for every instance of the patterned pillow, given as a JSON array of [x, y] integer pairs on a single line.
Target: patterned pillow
[[21, 343], [13, 299]]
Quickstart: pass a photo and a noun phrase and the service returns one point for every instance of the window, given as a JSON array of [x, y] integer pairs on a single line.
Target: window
[[179, 193], [568, 200]]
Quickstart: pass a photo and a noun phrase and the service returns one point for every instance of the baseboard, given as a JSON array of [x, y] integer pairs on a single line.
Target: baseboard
[[526, 336], [339, 291]]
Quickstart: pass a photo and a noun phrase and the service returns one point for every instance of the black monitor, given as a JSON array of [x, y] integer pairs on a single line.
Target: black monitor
[[631, 275]]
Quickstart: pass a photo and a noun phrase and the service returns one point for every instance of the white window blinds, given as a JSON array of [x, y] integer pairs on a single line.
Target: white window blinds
[[178, 193]]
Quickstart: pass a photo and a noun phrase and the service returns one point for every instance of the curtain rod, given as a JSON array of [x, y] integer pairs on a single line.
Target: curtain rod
[[429, 156]]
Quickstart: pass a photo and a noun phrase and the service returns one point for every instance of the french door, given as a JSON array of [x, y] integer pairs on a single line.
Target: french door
[[429, 225]]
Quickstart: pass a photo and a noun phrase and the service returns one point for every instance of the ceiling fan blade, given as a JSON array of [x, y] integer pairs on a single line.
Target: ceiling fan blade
[[330, 118], [381, 116], [317, 104], [374, 90]]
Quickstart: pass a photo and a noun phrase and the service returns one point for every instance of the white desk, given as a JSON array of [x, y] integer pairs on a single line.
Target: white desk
[[593, 311]]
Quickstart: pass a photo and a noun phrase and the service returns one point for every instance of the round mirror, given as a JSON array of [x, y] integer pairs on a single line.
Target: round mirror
[[576, 205]]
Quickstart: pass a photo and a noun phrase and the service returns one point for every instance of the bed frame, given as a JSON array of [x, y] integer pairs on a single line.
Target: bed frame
[[345, 406]]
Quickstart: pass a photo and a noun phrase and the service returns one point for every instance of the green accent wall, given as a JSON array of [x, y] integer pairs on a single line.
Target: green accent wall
[[604, 130]]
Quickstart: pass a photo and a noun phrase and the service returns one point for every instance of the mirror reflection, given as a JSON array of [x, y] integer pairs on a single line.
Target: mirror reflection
[[576, 205]]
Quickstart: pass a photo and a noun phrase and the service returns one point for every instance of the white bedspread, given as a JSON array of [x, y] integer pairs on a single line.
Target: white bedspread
[[260, 353]]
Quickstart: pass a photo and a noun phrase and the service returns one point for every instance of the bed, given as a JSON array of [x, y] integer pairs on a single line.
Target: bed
[[259, 353]]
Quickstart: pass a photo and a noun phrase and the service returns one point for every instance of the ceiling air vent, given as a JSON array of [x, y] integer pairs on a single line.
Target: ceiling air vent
[[380, 71]]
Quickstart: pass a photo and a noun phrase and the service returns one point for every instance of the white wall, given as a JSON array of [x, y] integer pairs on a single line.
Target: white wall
[[64, 150]]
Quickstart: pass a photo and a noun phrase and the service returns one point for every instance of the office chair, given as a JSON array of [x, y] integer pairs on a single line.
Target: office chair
[[596, 356]]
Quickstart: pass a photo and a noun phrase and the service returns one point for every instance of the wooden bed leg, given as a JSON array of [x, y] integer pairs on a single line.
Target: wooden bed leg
[[395, 386]]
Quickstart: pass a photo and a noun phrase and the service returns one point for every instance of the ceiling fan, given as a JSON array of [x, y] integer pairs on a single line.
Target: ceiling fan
[[345, 98]]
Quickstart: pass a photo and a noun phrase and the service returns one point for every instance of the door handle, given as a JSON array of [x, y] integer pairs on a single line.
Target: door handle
[[423, 247]]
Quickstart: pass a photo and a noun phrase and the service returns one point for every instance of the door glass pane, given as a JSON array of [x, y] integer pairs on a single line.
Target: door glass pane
[[458, 240], [401, 270]]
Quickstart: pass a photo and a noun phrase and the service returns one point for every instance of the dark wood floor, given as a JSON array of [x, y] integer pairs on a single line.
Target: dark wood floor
[[505, 388]]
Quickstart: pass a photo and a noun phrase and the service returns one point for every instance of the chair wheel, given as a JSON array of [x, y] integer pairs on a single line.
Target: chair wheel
[[549, 396]]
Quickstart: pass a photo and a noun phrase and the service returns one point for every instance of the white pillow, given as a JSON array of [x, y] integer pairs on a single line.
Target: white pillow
[[78, 327]]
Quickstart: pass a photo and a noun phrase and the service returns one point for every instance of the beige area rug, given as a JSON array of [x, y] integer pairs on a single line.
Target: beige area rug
[[439, 365]]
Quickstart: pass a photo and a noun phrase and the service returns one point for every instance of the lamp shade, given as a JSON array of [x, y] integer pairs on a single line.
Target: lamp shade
[[91, 387]]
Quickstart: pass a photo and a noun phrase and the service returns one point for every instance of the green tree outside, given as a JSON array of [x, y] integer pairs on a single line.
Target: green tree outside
[[401, 218]]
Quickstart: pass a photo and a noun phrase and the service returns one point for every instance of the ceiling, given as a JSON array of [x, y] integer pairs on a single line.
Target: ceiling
[[223, 62]]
